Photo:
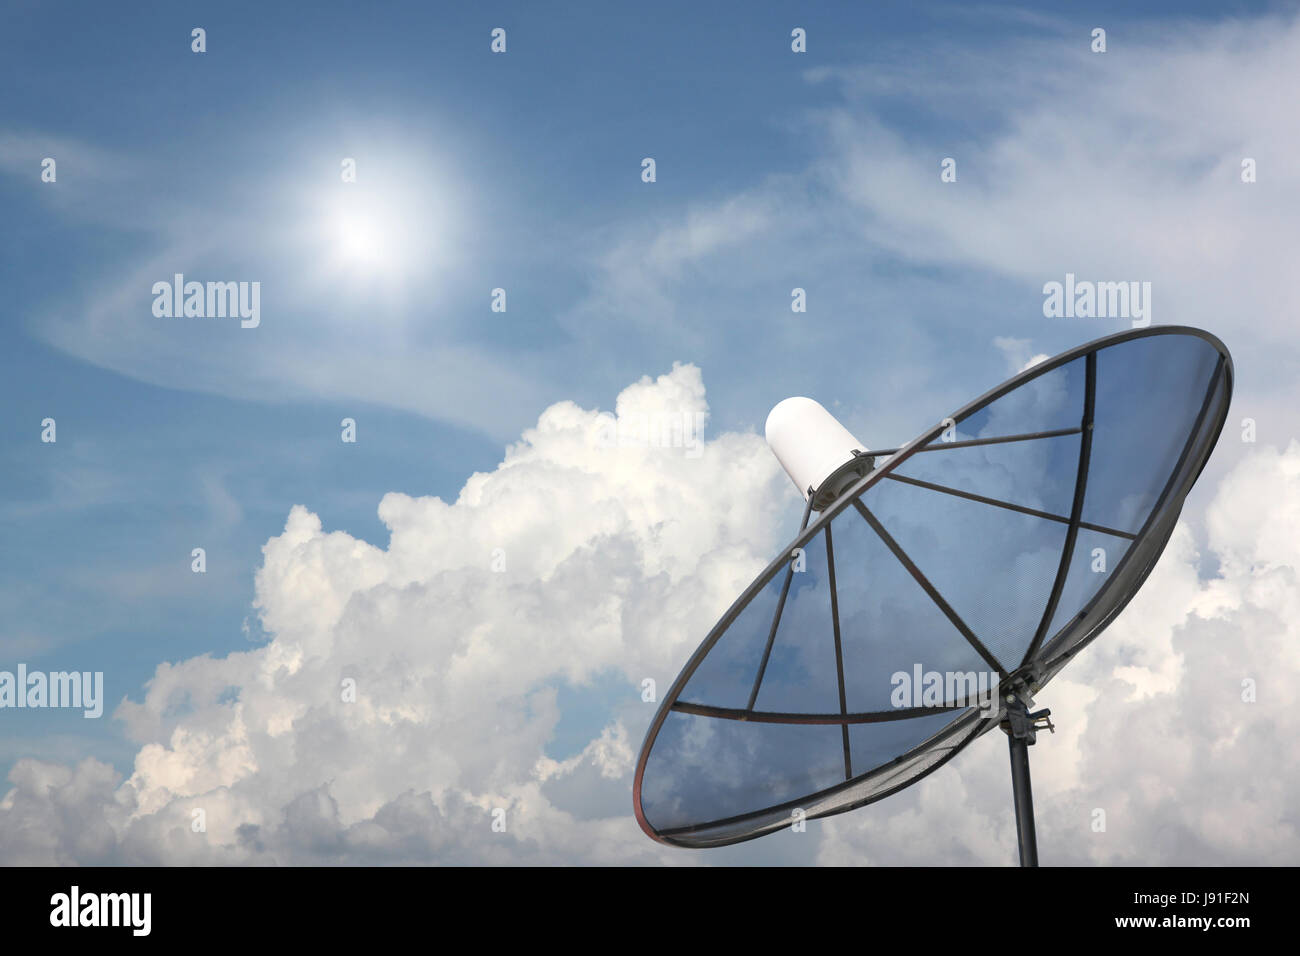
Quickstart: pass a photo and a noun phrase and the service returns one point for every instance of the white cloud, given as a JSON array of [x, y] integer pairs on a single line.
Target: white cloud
[[617, 560], [1116, 167], [391, 331]]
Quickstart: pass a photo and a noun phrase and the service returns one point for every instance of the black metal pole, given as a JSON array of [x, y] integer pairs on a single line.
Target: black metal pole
[[1024, 797]]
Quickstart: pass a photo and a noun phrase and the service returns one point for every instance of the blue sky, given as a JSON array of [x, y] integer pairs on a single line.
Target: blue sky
[[775, 170]]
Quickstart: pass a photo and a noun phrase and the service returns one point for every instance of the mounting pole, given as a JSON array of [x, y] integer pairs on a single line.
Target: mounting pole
[[1024, 798], [1021, 727]]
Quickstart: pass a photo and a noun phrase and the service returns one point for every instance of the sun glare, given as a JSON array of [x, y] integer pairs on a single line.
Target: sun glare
[[359, 239], [384, 231], [367, 234]]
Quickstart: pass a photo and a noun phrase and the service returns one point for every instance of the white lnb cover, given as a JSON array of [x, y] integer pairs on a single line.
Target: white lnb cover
[[808, 442]]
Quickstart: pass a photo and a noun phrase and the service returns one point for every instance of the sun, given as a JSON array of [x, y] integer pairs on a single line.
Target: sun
[[387, 232], [359, 238], [369, 235]]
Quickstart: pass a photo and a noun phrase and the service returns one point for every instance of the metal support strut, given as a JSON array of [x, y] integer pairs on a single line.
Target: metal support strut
[[1021, 726]]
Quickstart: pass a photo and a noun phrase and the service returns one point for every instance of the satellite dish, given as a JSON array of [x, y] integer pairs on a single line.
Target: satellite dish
[[940, 586]]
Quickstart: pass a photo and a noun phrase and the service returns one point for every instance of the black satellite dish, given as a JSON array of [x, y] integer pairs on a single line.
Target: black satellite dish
[[943, 584]]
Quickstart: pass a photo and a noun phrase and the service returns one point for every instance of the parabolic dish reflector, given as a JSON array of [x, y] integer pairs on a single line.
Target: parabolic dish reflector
[[999, 542]]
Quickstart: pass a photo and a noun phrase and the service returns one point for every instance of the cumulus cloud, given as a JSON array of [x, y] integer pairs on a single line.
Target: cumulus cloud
[[597, 553]]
